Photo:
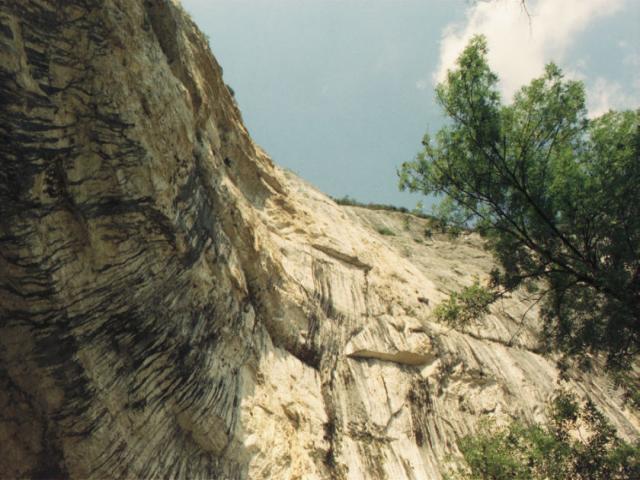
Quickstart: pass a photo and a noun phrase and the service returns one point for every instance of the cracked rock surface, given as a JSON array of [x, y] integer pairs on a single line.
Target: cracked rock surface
[[174, 305]]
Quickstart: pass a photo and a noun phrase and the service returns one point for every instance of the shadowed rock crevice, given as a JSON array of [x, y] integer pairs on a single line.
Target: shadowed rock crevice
[[163, 19], [401, 358]]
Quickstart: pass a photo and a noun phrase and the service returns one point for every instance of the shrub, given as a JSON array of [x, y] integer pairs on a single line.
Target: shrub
[[386, 231], [552, 452], [469, 304]]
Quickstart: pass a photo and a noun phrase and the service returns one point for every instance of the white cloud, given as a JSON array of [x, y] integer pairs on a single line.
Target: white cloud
[[519, 48], [605, 95]]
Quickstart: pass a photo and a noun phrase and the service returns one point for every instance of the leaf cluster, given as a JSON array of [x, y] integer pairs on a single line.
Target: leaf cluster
[[463, 307], [556, 451], [555, 194]]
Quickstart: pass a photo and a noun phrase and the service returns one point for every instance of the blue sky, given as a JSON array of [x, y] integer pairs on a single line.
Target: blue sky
[[341, 91]]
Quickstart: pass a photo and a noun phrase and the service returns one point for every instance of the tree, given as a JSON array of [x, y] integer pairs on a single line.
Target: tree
[[578, 443], [556, 195]]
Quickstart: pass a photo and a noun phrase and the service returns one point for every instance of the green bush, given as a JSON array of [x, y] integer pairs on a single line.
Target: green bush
[[352, 202], [386, 231], [552, 452], [461, 308]]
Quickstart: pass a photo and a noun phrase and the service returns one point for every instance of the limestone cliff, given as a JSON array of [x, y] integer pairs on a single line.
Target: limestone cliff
[[173, 305]]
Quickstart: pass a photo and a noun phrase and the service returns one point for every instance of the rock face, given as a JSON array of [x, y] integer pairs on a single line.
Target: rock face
[[173, 305]]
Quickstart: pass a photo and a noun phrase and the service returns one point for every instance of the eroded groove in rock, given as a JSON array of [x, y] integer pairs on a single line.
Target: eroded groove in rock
[[401, 358]]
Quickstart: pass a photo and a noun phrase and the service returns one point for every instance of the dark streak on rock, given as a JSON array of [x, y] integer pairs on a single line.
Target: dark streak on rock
[[133, 322]]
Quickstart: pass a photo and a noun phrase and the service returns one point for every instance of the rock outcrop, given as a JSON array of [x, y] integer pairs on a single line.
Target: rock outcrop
[[173, 305]]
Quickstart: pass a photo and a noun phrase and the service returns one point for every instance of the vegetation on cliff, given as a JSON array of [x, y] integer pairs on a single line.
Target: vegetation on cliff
[[554, 192], [556, 196], [577, 443]]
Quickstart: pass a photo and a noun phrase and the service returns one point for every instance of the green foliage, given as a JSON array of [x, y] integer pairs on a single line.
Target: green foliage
[[630, 383], [463, 307], [552, 452], [386, 231], [406, 223], [418, 210], [352, 202], [555, 195]]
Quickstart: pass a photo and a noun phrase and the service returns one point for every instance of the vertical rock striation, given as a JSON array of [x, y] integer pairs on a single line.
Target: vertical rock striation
[[173, 305], [126, 313]]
